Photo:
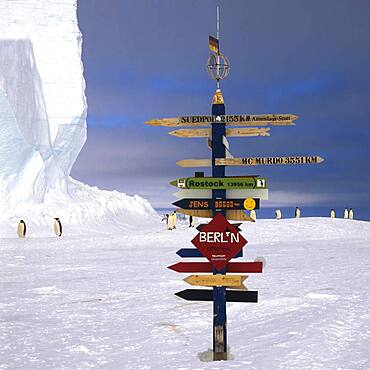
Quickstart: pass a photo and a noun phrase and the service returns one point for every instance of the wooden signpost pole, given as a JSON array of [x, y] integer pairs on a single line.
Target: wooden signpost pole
[[219, 293]]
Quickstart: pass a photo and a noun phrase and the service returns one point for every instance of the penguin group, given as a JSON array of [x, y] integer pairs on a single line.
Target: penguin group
[[21, 229], [347, 214], [171, 220]]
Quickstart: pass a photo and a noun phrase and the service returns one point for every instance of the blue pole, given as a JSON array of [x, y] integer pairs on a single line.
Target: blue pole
[[219, 293]]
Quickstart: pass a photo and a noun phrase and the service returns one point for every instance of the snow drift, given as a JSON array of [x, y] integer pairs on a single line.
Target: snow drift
[[107, 301], [43, 118]]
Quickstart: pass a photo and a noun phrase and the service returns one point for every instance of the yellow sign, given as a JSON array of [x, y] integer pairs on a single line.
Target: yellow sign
[[234, 281], [194, 163], [230, 132], [249, 204], [234, 215], [258, 161], [228, 120]]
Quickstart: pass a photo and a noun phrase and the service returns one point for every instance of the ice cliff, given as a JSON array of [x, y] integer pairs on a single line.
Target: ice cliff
[[43, 116]]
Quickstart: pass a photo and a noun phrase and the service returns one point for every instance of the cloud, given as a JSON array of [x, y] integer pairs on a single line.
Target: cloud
[[306, 58]]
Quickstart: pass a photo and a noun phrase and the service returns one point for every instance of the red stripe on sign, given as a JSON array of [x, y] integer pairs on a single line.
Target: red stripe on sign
[[248, 267], [191, 267]]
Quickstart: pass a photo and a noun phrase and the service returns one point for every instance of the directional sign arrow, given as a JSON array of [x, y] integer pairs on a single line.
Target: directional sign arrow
[[200, 203], [262, 194], [235, 215], [202, 213], [233, 281], [230, 132], [195, 253], [259, 161], [207, 295], [229, 120], [194, 163], [246, 182], [237, 267]]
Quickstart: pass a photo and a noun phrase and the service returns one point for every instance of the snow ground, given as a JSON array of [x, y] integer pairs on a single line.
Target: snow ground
[[103, 298]]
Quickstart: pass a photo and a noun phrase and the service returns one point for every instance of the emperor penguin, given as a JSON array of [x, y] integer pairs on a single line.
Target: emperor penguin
[[345, 215], [332, 213], [170, 222], [278, 214], [297, 212], [350, 214], [57, 227], [21, 230]]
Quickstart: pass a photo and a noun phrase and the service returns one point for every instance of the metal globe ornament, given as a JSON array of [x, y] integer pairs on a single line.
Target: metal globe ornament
[[218, 66]]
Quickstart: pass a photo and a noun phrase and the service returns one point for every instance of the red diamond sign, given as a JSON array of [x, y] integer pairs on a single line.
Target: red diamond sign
[[219, 241]]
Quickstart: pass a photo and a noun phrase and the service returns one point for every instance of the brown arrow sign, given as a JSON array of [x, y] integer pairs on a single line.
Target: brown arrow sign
[[230, 132], [229, 120], [233, 281], [260, 161]]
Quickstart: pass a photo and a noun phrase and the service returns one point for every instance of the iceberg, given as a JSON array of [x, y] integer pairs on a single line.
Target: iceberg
[[43, 113]]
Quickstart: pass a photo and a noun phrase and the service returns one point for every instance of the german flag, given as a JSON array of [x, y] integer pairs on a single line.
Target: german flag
[[213, 44]]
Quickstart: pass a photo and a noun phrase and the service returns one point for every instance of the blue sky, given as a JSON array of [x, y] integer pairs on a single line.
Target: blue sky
[[146, 59]]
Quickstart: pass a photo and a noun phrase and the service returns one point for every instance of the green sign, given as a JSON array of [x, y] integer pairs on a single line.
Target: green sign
[[220, 183]]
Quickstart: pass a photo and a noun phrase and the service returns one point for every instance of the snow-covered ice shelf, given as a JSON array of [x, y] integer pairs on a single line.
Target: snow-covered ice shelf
[[107, 300], [43, 122]]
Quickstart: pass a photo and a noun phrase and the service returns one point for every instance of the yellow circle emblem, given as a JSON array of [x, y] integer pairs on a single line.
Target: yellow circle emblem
[[249, 204]]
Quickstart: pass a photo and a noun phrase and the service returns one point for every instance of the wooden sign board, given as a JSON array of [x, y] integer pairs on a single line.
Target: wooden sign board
[[251, 161], [194, 163], [220, 183], [232, 267], [234, 281], [195, 253], [262, 194], [262, 161], [203, 213], [199, 203], [230, 132], [234, 215], [229, 120], [207, 295]]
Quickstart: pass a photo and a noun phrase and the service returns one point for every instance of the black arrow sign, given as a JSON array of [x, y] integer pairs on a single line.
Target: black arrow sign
[[236, 226], [187, 203], [195, 253], [207, 295]]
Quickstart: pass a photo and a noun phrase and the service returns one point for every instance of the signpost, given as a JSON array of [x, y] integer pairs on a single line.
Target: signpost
[[222, 198], [228, 120], [261, 194], [252, 161], [238, 267], [230, 132], [220, 183], [258, 161], [232, 281], [231, 214], [199, 203], [195, 253], [207, 295]]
